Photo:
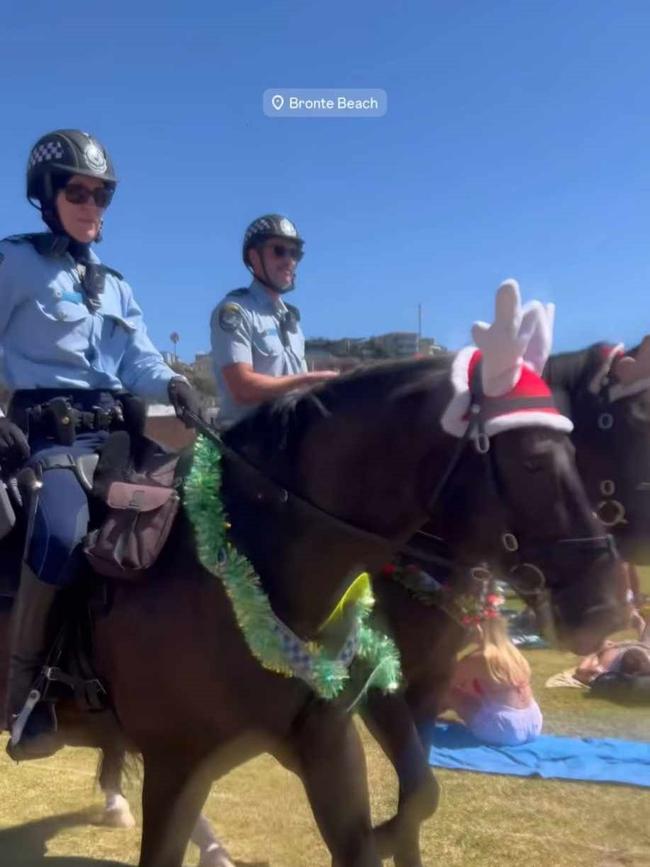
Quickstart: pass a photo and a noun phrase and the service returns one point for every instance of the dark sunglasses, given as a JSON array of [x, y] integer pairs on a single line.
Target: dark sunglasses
[[77, 194], [282, 252]]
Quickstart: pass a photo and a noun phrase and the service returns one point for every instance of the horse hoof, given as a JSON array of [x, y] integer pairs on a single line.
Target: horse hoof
[[216, 858], [119, 817]]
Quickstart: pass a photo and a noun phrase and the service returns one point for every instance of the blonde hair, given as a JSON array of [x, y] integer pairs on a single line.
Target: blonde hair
[[505, 664]]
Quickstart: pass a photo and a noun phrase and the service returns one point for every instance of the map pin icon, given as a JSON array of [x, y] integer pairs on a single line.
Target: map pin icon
[[277, 102]]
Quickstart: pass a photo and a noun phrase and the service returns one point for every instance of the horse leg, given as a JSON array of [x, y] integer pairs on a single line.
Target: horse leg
[[213, 853], [389, 719], [117, 812], [175, 788], [333, 771]]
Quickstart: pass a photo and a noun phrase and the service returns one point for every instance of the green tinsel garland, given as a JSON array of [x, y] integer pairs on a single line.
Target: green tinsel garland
[[252, 610]]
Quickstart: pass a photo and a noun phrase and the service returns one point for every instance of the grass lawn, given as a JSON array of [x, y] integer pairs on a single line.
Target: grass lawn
[[47, 808]]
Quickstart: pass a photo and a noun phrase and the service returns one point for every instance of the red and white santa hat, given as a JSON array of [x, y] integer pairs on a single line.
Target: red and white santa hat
[[632, 374], [513, 351]]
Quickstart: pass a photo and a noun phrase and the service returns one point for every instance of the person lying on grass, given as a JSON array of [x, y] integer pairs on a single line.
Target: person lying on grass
[[490, 688], [624, 657]]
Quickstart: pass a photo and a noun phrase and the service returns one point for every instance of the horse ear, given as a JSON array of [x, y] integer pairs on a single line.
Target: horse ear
[[628, 369]]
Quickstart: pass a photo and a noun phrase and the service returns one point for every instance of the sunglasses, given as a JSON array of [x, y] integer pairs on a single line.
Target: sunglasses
[[77, 194], [282, 252]]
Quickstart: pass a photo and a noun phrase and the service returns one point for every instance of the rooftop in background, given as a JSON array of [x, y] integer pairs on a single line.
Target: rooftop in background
[[322, 352]]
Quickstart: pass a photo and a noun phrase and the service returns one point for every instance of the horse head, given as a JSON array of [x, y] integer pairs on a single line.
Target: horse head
[[515, 503], [607, 393]]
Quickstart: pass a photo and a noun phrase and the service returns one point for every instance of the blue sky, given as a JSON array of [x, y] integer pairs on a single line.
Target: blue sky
[[516, 143]]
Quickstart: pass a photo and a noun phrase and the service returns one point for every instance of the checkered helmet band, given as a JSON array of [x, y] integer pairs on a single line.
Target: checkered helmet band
[[45, 152]]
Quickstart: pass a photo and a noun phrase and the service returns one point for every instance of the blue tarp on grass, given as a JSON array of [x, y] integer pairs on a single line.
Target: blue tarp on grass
[[602, 760]]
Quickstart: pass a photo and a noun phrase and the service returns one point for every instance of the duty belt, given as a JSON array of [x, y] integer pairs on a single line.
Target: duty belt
[[58, 418]]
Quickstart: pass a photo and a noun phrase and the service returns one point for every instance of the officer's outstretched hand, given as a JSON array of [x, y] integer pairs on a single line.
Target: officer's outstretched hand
[[14, 448], [185, 400], [321, 375]]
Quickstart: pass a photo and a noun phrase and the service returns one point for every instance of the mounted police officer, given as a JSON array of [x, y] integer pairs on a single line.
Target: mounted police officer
[[258, 348], [73, 342]]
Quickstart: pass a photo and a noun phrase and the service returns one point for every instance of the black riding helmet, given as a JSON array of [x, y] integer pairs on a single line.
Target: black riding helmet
[[55, 157], [269, 226], [259, 231]]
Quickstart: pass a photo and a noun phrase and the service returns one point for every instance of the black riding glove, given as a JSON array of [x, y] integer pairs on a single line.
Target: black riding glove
[[14, 448], [184, 399]]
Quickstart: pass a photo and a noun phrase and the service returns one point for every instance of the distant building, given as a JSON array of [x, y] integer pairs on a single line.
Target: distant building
[[398, 344], [322, 353], [428, 346]]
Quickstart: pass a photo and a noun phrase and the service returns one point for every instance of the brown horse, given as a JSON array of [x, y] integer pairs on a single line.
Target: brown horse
[[341, 478]]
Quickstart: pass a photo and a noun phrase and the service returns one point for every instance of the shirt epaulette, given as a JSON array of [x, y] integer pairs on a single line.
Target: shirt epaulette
[[18, 239], [238, 292], [113, 272], [45, 243]]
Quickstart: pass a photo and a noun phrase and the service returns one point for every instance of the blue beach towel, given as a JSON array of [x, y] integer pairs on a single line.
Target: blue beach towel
[[591, 759]]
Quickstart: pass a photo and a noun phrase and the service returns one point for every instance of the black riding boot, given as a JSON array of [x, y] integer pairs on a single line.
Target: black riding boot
[[32, 722]]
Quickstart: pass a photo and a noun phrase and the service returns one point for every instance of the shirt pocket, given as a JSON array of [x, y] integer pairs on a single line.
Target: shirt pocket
[[268, 344], [61, 310], [115, 336]]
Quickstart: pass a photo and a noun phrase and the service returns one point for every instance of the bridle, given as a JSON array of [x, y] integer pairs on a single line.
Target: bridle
[[520, 562], [522, 572], [610, 505]]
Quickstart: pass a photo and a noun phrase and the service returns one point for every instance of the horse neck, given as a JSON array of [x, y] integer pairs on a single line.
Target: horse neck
[[305, 558], [357, 501]]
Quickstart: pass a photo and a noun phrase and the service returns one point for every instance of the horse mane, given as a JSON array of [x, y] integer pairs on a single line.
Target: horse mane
[[280, 425], [571, 371]]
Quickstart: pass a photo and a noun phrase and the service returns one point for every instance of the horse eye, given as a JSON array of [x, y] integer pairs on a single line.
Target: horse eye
[[532, 466]]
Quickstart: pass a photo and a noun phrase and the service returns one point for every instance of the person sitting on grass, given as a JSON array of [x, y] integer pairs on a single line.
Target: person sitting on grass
[[490, 688]]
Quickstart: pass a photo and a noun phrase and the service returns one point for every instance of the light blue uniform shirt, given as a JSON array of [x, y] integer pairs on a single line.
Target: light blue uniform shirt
[[249, 326], [49, 338]]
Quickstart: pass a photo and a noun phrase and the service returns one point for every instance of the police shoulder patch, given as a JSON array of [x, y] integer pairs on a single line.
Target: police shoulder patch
[[230, 316]]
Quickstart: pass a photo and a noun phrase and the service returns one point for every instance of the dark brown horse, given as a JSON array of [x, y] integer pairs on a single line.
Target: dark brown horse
[[586, 383], [363, 456], [612, 440]]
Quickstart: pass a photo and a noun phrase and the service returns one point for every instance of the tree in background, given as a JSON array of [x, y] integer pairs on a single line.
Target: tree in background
[[202, 382], [174, 337]]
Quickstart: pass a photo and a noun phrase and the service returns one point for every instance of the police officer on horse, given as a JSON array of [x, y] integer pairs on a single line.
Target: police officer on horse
[[258, 348], [75, 348]]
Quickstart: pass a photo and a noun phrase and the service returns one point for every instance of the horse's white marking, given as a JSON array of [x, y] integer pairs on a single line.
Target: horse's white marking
[[117, 813]]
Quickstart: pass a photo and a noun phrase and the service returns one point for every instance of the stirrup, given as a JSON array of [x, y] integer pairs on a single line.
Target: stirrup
[[33, 745], [20, 721]]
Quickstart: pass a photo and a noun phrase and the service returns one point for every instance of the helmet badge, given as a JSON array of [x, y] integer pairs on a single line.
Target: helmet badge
[[95, 158], [287, 228]]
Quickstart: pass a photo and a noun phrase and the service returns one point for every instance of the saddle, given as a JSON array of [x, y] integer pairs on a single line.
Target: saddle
[[133, 504], [134, 498]]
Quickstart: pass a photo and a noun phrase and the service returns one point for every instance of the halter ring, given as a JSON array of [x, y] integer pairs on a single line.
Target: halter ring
[[536, 571], [509, 542], [605, 421], [619, 513]]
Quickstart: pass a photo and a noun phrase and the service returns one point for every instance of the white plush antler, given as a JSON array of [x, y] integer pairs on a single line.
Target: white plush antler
[[503, 343], [542, 318]]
